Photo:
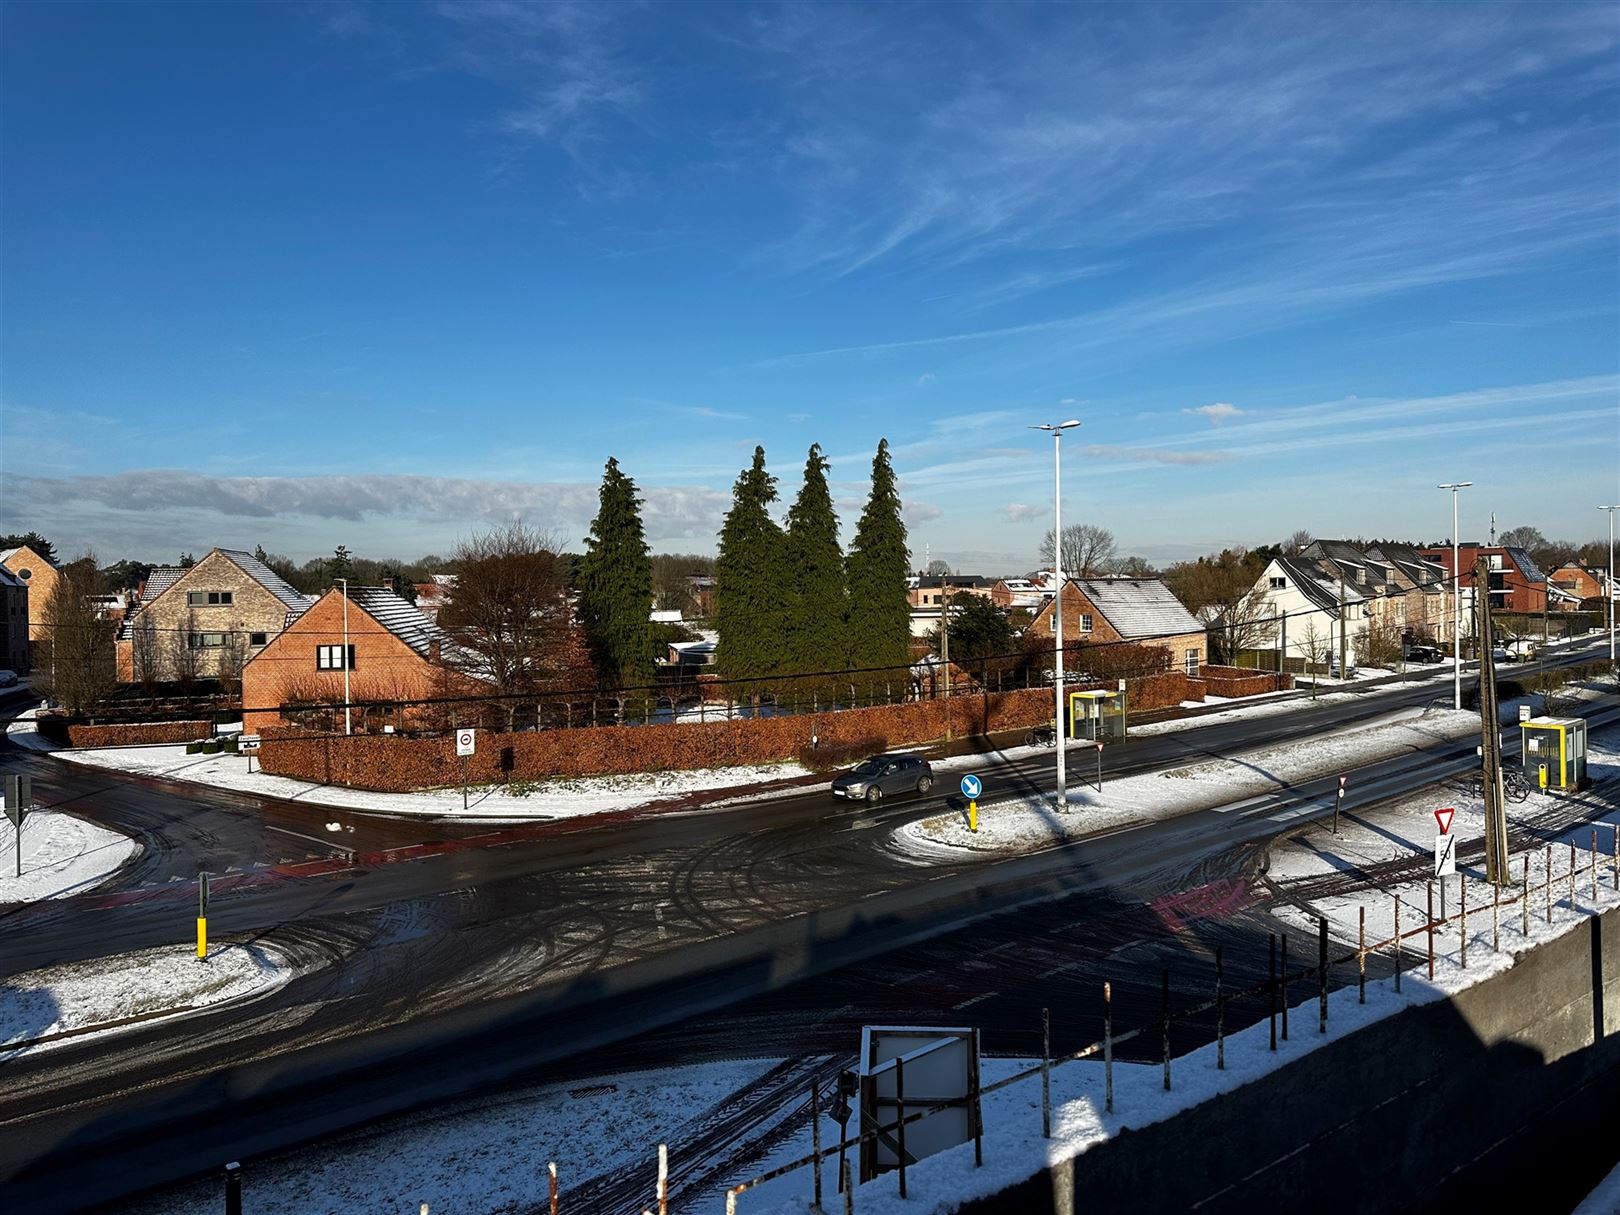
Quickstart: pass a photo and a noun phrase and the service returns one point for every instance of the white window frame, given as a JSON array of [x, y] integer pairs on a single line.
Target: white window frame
[[1192, 664], [330, 657], [1085, 622]]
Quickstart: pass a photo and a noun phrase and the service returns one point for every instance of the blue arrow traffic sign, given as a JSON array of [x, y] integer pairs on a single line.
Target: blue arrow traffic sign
[[972, 786]]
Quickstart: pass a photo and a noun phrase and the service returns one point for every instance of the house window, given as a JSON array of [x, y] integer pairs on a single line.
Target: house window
[[258, 638], [208, 598], [206, 641], [1192, 664], [330, 658], [1085, 622], [1279, 584]]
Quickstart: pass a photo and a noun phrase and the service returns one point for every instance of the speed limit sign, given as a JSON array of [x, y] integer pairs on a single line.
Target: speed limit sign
[[466, 742]]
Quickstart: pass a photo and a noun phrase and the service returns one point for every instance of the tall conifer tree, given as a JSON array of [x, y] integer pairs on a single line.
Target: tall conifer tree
[[749, 575], [879, 608], [614, 580], [814, 637]]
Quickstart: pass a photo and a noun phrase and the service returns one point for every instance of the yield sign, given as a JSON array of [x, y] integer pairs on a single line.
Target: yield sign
[[1444, 817]]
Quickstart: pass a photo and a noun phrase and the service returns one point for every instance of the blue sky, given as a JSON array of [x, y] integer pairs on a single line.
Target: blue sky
[[305, 274]]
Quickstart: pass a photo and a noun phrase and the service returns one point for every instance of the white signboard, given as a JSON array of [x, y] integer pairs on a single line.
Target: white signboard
[[247, 743], [941, 1075], [1445, 855], [466, 742], [1524, 713]]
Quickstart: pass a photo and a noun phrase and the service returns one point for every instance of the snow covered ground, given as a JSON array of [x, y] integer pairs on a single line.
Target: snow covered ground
[[87, 994], [61, 855], [1022, 825], [486, 1155], [1605, 1199], [537, 800]]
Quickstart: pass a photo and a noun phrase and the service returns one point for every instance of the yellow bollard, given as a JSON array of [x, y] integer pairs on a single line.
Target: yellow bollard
[[973, 817], [1543, 777], [202, 938]]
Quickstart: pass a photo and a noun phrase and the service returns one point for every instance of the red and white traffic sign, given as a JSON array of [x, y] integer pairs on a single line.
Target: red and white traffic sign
[[1444, 817], [1342, 779], [466, 742], [1099, 746]]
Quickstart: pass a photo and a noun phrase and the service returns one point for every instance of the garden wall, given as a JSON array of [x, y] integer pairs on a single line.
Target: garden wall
[[1241, 681], [392, 764]]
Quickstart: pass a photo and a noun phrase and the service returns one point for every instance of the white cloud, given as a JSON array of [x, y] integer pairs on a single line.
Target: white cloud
[[1216, 413], [1017, 512], [925, 379], [920, 512]]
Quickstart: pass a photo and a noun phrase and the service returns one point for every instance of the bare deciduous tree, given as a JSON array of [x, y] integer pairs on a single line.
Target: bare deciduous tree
[[1296, 543], [146, 653], [184, 658], [510, 615], [1088, 550], [81, 669], [232, 658]]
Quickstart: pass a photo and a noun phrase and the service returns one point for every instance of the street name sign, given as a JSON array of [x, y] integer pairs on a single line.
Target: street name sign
[[972, 786], [247, 742], [466, 742]]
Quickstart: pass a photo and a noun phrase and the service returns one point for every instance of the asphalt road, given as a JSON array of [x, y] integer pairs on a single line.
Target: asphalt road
[[479, 943]]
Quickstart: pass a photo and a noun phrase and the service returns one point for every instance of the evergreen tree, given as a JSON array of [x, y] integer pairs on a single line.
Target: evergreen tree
[[814, 637], [879, 607], [259, 554], [339, 565], [749, 576], [614, 579]]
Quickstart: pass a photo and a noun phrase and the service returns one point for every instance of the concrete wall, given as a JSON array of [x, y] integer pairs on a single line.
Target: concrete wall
[[1399, 1116]]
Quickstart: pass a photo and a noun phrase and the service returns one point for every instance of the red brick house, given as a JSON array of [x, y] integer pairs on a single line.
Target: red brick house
[[1138, 610], [1579, 581], [393, 652], [1516, 585]]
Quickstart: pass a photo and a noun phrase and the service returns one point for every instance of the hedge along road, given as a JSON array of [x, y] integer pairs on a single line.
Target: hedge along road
[[496, 968]]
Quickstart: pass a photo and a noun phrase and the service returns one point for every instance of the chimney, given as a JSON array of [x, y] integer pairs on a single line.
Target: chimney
[[433, 651], [388, 584]]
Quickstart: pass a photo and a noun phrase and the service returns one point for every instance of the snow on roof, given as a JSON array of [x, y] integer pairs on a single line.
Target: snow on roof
[[1139, 607], [265, 577], [8, 554], [400, 617], [1309, 582], [7, 578]]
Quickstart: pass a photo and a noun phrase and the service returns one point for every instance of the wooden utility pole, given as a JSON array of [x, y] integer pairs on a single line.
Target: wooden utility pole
[[1490, 729]]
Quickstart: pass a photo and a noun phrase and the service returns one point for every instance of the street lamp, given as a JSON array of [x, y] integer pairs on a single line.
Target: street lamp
[[1456, 598], [1608, 591], [347, 727], [1057, 601]]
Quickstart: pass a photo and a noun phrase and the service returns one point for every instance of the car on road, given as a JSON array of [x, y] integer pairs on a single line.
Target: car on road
[[872, 779], [1422, 653], [8, 679]]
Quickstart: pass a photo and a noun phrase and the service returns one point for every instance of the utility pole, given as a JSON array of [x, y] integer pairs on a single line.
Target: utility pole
[[945, 647], [1344, 670], [1490, 728]]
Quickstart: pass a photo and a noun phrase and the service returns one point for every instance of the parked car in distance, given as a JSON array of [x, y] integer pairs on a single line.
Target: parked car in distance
[[1521, 649], [8, 679], [1422, 653], [1333, 667], [872, 778]]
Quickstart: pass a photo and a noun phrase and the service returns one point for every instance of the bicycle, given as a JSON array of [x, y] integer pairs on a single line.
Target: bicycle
[[1041, 736], [1514, 785]]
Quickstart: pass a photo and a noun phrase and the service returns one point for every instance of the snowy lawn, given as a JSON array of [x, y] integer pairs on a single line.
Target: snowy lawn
[[532, 800], [1021, 825], [61, 855], [488, 1154], [1605, 1199], [87, 994]]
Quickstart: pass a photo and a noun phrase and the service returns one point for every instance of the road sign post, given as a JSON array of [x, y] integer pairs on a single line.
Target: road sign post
[[248, 745], [972, 787], [1338, 803], [466, 746], [1445, 857], [1099, 767], [202, 915], [19, 801]]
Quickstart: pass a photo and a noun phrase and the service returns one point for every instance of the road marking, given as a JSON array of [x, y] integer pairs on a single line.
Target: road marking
[[326, 845], [974, 1000]]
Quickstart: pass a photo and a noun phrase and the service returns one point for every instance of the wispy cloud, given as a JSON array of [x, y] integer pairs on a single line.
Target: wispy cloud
[[1217, 413], [1154, 455], [920, 512], [1018, 512]]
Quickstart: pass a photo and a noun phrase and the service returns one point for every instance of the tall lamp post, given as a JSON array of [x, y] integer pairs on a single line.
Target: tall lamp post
[[347, 727], [1057, 602], [1608, 591], [1456, 598]]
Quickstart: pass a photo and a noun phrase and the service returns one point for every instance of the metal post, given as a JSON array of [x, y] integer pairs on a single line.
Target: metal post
[[900, 1128], [1397, 944], [1285, 986], [1164, 1014], [1548, 883], [1322, 971], [1108, 1047], [1220, 1012], [1046, 1073], [347, 726], [233, 1188], [1057, 430], [1496, 917], [1456, 598], [1594, 869], [815, 1134], [663, 1180], [1271, 984], [1572, 877], [1361, 958], [551, 1183], [1462, 920], [849, 1188], [1524, 896], [1430, 927], [1615, 836]]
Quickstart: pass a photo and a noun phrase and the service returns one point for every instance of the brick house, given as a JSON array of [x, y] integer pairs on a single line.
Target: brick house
[[205, 620], [929, 590], [1311, 610], [1138, 610], [14, 630], [1577, 580], [41, 576], [395, 652], [1516, 585], [1394, 584]]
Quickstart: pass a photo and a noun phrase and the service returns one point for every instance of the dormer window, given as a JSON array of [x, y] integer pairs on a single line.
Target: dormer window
[[1279, 584]]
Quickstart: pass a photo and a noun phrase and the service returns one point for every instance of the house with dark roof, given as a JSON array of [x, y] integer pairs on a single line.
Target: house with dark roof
[[1514, 582], [1311, 606], [14, 652], [1402, 590], [391, 650], [1143, 611], [204, 621]]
